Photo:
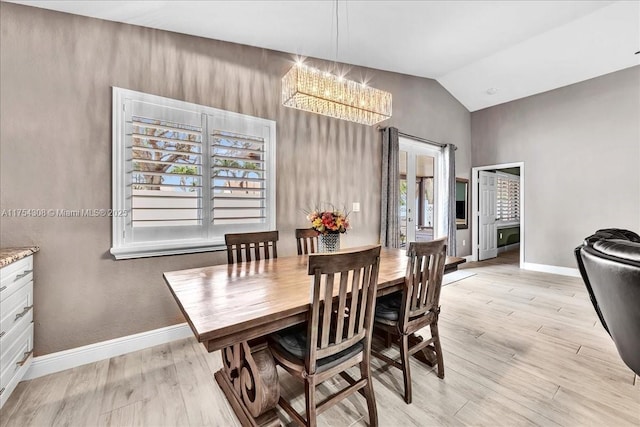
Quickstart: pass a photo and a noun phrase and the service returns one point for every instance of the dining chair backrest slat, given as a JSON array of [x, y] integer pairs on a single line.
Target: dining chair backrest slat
[[251, 246], [306, 240]]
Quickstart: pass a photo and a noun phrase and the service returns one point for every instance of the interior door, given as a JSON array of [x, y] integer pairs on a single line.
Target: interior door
[[488, 241]]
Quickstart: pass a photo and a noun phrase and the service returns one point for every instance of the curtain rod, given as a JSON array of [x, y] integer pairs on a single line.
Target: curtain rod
[[417, 138]]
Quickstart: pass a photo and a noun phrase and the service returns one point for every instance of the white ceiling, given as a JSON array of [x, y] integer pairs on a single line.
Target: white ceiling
[[518, 48]]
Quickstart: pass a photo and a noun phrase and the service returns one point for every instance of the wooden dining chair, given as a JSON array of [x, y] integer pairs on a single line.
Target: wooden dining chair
[[306, 240], [338, 333], [252, 245], [402, 314]]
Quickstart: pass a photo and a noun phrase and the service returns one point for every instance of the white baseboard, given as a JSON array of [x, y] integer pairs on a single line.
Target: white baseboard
[[468, 258], [67, 359], [563, 271]]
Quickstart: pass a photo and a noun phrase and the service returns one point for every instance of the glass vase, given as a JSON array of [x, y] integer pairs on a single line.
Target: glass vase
[[329, 242]]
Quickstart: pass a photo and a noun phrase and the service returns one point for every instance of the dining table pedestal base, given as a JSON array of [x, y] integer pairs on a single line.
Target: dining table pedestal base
[[249, 380]]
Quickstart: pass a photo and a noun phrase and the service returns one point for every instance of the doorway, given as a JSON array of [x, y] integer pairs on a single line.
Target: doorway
[[496, 211], [419, 180]]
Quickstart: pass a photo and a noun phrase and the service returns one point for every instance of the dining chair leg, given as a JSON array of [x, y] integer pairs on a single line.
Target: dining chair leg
[[406, 369], [436, 344], [387, 341], [365, 372], [310, 398]]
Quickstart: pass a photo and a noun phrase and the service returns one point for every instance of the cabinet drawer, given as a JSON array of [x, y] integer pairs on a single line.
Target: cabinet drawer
[[13, 275], [15, 307], [16, 356], [7, 338]]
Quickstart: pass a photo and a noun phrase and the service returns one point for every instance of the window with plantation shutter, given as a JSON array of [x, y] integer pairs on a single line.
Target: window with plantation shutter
[[508, 198], [187, 174], [166, 176]]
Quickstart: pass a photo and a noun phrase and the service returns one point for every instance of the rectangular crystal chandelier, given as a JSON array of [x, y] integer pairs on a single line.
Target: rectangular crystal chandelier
[[310, 89]]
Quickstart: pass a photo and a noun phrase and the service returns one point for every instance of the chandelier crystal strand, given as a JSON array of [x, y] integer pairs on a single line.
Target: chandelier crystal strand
[[310, 89]]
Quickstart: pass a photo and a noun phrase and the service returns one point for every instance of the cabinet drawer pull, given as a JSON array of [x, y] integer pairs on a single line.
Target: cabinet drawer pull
[[3, 288], [24, 273], [2, 334], [2, 391], [24, 359], [25, 311]]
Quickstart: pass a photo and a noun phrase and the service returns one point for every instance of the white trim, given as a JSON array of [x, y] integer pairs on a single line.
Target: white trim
[[468, 258], [553, 269], [67, 359], [143, 251], [475, 207]]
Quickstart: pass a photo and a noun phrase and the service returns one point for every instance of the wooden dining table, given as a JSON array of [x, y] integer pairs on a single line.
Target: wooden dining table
[[232, 307]]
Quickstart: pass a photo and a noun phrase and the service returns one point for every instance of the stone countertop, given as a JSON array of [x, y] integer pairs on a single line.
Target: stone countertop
[[11, 255]]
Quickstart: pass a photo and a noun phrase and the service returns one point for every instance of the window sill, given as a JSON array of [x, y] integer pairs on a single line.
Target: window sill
[[158, 249]]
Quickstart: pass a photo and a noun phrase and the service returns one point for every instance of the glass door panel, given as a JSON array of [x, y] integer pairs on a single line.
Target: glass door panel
[[424, 197]]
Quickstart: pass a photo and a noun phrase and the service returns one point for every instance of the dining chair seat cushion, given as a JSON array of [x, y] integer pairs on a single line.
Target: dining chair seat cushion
[[292, 344], [388, 308]]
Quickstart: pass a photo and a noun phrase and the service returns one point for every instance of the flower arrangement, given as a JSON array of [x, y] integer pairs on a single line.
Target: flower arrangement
[[333, 221]]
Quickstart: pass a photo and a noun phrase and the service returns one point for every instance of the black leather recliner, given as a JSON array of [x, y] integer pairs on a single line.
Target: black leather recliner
[[609, 262]]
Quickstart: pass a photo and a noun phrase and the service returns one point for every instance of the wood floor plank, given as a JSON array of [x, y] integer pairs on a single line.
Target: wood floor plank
[[124, 416], [432, 393], [200, 393], [14, 402], [166, 406], [495, 410], [41, 402], [586, 410], [124, 379], [520, 348], [86, 386]]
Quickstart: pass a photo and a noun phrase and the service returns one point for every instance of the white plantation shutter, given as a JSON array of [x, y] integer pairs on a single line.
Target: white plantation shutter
[[508, 198], [166, 175], [238, 179], [242, 174], [186, 174]]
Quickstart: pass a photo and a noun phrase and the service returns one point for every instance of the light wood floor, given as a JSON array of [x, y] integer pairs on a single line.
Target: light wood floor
[[520, 348]]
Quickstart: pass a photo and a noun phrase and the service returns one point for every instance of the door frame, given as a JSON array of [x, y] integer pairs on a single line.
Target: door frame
[[475, 208]]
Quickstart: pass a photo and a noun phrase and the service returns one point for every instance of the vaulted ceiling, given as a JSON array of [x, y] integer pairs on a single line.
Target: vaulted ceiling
[[483, 52]]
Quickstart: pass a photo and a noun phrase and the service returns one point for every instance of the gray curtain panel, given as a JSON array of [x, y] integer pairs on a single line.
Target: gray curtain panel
[[449, 152], [390, 206]]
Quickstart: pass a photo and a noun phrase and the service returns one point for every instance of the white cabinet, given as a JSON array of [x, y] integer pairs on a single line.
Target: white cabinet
[[16, 323]]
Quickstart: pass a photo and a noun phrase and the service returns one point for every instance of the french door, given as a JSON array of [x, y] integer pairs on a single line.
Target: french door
[[420, 178]]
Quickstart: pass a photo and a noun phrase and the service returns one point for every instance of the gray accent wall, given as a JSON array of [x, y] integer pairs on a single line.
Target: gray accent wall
[[56, 74], [581, 149]]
